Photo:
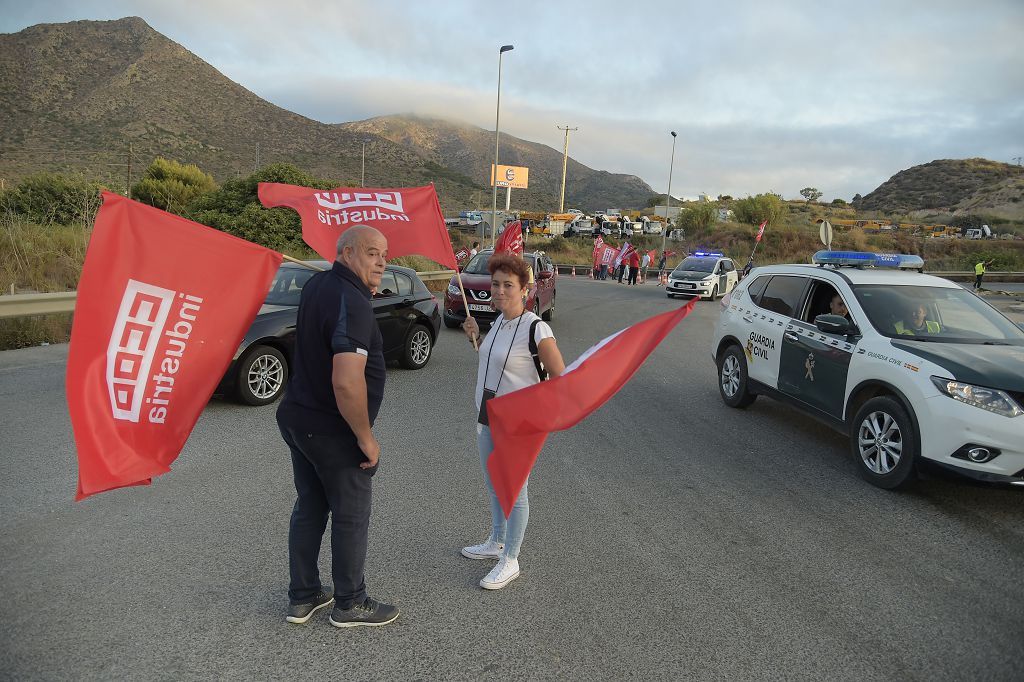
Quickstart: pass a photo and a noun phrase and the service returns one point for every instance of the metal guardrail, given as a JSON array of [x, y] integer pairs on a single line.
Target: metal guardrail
[[29, 305]]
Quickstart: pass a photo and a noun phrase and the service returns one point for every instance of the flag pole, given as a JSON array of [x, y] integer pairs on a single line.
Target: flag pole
[[465, 302], [301, 262]]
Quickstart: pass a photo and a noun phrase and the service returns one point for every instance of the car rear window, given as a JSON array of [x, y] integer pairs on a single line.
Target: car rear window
[[782, 295], [404, 284], [755, 288]]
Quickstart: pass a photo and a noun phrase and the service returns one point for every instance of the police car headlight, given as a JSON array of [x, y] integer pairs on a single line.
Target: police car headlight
[[991, 399], [454, 290], [708, 278]]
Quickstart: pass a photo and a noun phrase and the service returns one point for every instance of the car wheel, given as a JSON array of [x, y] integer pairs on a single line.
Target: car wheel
[[714, 293], [418, 345], [671, 295], [262, 375], [549, 314], [732, 378], [884, 443], [452, 322]]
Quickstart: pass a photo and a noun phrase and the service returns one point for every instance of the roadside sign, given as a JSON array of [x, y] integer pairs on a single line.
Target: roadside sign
[[826, 234]]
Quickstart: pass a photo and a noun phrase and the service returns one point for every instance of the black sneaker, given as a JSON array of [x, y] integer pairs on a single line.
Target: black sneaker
[[300, 613], [370, 612]]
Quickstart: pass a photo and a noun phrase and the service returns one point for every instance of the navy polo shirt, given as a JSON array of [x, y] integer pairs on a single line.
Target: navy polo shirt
[[335, 316]]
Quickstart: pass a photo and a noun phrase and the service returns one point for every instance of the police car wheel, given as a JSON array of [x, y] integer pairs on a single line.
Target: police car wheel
[[418, 345], [671, 295], [732, 378], [884, 443], [714, 293], [262, 375]]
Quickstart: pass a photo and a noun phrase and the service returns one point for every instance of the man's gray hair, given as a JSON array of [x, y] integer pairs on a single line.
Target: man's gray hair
[[351, 237]]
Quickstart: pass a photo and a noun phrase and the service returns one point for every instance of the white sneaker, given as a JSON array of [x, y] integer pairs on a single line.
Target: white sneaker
[[487, 550], [505, 572]]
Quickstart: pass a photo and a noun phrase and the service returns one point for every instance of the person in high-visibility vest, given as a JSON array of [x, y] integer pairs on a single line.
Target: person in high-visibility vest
[[918, 325], [979, 272]]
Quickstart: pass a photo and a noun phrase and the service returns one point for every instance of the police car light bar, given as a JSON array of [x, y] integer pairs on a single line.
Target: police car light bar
[[714, 254], [862, 259]]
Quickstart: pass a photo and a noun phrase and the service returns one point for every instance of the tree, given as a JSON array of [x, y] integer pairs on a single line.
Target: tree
[[171, 185], [698, 218], [754, 210], [967, 221], [839, 202], [810, 193]]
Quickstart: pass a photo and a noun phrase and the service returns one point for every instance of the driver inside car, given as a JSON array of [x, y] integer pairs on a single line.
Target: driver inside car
[[916, 324]]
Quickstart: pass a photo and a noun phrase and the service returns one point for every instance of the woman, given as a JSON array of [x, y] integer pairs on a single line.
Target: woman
[[506, 365]]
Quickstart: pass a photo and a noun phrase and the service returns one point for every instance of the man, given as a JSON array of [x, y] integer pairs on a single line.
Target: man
[[634, 267], [838, 307], [661, 266], [472, 252], [917, 324], [645, 263], [326, 418], [979, 272]]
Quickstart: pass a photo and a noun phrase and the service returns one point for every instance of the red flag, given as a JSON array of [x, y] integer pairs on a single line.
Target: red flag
[[608, 254], [521, 421], [652, 254], [162, 305], [410, 217], [511, 239], [760, 232]]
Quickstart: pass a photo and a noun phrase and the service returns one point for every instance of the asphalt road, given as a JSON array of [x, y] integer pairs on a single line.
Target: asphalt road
[[670, 537]]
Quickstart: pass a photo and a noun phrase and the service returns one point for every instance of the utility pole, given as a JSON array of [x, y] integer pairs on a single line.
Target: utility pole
[[128, 190], [565, 161]]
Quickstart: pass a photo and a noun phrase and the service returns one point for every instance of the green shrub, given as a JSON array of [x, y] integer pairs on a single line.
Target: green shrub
[[171, 186], [754, 210], [48, 199]]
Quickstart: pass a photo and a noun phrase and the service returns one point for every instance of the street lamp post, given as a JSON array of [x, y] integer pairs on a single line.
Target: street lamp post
[[565, 161], [668, 194], [494, 172]]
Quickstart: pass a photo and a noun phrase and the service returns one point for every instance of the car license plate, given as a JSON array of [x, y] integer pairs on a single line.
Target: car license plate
[[480, 307], [690, 286]]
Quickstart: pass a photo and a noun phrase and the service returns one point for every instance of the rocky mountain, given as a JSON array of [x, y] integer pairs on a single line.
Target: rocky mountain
[[106, 97], [470, 150], [951, 185]]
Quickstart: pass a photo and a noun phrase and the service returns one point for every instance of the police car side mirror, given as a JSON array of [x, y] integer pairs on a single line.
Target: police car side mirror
[[835, 324]]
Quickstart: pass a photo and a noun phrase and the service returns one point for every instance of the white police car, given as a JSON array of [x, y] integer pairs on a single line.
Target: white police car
[[918, 367], [703, 274]]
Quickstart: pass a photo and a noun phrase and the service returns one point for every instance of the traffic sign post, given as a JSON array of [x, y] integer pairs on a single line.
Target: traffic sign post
[[826, 234]]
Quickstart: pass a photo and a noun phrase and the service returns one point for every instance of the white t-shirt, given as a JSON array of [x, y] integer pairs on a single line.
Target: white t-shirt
[[472, 252], [520, 371]]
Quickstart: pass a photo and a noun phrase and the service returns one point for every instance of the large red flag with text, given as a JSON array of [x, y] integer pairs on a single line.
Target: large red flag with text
[[521, 421], [511, 239], [163, 304], [409, 217]]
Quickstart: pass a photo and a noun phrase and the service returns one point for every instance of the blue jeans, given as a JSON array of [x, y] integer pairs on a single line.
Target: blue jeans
[[511, 532], [328, 481]]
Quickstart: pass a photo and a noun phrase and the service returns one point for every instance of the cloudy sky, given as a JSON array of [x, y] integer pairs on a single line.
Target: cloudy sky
[[765, 96]]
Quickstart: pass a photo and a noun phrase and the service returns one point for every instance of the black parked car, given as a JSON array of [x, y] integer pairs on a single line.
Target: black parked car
[[407, 313]]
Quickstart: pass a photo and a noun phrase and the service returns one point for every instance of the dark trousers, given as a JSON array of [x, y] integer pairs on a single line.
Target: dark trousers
[[633, 272], [621, 271], [328, 480], [604, 271], [977, 281]]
